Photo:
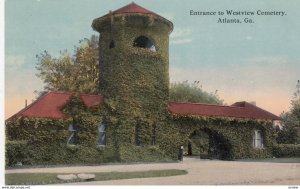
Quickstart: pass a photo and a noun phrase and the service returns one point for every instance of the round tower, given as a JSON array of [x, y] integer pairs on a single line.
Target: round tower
[[134, 61]]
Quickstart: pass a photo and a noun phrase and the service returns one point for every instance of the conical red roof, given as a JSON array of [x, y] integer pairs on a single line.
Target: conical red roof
[[133, 8], [129, 9]]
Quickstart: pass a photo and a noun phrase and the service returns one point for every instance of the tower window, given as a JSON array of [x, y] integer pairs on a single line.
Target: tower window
[[112, 44], [102, 133], [73, 129], [144, 42]]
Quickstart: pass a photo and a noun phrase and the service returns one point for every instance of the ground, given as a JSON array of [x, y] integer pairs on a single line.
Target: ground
[[200, 172]]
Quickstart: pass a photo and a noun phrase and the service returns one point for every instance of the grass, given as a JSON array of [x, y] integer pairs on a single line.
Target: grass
[[50, 178], [85, 164], [274, 160]]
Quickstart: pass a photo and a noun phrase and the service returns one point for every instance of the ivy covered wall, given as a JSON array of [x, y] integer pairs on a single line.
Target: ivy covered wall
[[135, 84], [40, 141], [135, 80], [231, 138]]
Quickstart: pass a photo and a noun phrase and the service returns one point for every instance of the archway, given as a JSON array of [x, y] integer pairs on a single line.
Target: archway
[[208, 144]]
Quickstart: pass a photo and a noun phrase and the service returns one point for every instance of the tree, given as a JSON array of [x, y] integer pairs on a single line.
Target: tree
[[192, 92], [77, 73], [295, 110], [80, 73], [290, 134]]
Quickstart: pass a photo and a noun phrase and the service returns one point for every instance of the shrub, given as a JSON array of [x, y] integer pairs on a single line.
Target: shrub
[[141, 154], [15, 152], [286, 150]]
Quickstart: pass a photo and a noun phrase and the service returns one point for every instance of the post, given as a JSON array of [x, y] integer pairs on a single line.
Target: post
[[180, 153]]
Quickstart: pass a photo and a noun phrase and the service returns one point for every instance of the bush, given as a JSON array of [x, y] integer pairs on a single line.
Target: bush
[[29, 154], [141, 154], [15, 152], [286, 150]]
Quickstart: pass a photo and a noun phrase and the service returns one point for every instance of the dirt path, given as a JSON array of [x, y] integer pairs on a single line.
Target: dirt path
[[200, 172]]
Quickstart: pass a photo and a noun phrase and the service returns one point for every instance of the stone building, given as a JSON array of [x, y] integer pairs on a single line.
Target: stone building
[[132, 119]]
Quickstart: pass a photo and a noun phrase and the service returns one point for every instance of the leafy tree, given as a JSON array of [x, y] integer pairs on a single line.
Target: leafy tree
[[77, 73], [290, 134], [192, 92], [295, 110], [80, 73]]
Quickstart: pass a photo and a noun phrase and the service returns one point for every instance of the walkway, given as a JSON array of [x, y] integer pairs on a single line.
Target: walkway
[[200, 172]]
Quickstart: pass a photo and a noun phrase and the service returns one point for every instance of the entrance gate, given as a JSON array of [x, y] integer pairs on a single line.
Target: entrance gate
[[208, 144]]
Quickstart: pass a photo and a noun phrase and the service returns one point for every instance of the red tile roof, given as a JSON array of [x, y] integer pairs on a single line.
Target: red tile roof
[[237, 110], [133, 8], [50, 105]]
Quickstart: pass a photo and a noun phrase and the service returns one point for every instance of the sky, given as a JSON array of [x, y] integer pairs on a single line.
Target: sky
[[257, 61]]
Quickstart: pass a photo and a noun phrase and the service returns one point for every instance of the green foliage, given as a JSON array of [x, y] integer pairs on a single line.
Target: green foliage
[[145, 154], [44, 141], [230, 138], [51, 178], [15, 152], [295, 110], [192, 92], [46, 138], [77, 73], [135, 83], [290, 134], [286, 150], [37, 154], [135, 80], [38, 131], [199, 142]]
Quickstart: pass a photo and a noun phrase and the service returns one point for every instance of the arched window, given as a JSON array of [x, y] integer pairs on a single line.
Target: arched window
[[258, 139], [112, 44], [73, 129], [144, 42], [102, 133]]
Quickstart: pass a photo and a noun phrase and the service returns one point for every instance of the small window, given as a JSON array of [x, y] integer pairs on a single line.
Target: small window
[[73, 129], [102, 133], [144, 42], [154, 130], [112, 44], [138, 134], [258, 139]]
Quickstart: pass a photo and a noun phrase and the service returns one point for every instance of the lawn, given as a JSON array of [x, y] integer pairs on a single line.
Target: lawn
[[50, 178], [274, 160]]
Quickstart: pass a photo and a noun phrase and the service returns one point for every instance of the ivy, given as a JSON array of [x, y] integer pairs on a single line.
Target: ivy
[[286, 150], [135, 84]]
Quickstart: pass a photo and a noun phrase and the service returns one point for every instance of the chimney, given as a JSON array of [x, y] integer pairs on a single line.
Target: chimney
[[25, 103]]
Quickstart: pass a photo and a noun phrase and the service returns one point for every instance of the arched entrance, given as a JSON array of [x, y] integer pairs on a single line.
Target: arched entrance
[[208, 144]]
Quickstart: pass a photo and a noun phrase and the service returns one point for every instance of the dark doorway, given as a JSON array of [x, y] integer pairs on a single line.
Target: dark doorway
[[208, 144]]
